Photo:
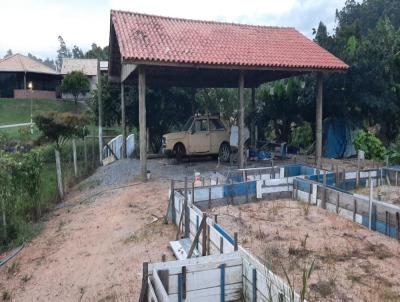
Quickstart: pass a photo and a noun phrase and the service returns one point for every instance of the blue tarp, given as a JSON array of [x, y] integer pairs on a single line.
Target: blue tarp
[[338, 138]]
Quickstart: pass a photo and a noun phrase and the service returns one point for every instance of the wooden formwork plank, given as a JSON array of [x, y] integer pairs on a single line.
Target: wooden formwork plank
[[151, 297], [206, 279], [159, 289], [233, 292]]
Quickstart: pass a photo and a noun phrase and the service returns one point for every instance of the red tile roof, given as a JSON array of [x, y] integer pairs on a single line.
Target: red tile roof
[[171, 40]]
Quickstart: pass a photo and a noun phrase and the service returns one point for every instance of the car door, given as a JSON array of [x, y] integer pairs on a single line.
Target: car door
[[217, 134], [199, 137]]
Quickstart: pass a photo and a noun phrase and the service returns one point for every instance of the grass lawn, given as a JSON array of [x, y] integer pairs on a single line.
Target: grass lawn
[[14, 111]]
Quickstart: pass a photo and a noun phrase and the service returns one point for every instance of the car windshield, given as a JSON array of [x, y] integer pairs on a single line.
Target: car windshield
[[187, 125]]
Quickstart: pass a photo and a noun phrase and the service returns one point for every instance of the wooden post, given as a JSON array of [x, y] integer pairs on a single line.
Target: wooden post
[[370, 205], [100, 109], [123, 120], [337, 203], [142, 123], [193, 193], [187, 213], [221, 245], [145, 274], [323, 199], [93, 147], [3, 209], [216, 218], [241, 120], [85, 153], [59, 174], [173, 201], [209, 198], [355, 210], [253, 123], [398, 225], [235, 238], [74, 157], [318, 130], [203, 225]]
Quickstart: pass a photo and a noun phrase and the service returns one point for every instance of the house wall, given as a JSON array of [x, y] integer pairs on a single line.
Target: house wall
[[35, 94]]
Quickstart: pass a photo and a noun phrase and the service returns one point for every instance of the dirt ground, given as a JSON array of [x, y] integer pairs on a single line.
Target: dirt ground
[[351, 263], [93, 246], [390, 194], [92, 249]]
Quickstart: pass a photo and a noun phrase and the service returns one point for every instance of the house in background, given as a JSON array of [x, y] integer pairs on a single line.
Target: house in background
[[17, 71], [88, 67]]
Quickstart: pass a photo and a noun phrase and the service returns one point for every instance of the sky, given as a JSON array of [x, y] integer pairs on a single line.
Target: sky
[[34, 25]]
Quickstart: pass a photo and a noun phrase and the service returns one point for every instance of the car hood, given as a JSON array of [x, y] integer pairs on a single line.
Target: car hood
[[174, 135]]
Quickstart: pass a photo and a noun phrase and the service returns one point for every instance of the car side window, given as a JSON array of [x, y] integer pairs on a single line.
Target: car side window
[[200, 125], [216, 124]]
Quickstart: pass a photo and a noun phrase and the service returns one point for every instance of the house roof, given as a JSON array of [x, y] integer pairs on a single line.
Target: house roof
[[157, 39], [87, 66], [21, 63]]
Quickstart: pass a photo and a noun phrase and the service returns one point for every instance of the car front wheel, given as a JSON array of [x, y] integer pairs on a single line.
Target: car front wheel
[[224, 152]]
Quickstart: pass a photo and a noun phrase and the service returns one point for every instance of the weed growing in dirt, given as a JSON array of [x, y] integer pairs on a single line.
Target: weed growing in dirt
[[13, 268], [26, 278], [6, 296]]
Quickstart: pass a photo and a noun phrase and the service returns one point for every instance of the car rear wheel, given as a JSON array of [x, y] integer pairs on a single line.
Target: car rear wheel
[[179, 151], [224, 152]]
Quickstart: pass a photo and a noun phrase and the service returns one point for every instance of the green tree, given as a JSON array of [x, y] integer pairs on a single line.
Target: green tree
[[62, 52], [76, 83]]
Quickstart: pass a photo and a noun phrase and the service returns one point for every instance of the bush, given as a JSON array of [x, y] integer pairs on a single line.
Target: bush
[[302, 136], [370, 144], [394, 151]]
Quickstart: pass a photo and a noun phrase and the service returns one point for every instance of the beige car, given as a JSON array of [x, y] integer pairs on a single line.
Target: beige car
[[201, 135]]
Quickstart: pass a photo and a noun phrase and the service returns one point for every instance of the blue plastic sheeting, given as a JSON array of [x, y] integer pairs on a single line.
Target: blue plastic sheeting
[[297, 170], [224, 233], [380, 226], [330, 178], [302, 185], [239, 189], [338, 138]]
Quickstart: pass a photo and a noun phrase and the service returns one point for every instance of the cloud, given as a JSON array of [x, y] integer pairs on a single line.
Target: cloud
[[34, 25]]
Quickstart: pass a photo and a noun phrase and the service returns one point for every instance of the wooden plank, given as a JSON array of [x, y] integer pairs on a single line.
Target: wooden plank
[[159, 289], [142, 123], [233, 292], [151, 295]]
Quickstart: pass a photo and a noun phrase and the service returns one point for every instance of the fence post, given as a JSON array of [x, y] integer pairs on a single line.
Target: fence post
[[370, 204], [3, 208], [85, 153], [187, 213], [355, 210], [74, 157], [59, 174], [323, 199]]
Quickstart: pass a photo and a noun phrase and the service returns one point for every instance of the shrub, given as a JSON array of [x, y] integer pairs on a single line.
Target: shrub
[[370, 144], [59, 126], [302, 136]]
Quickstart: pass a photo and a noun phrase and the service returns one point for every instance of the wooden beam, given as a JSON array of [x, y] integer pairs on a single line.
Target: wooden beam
[[318, 122], [253, 121], [241, 119], [142, 123], [100, 104], [123, 120]]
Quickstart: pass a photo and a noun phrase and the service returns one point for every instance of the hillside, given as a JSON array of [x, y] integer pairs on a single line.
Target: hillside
[[14, 111]]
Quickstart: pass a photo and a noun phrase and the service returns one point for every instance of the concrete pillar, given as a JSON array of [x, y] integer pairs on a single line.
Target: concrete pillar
[[318, 123], [142, 123], [241, 119]]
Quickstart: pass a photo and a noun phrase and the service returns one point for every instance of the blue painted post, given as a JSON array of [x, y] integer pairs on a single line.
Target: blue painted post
[[222, 267], [254, 285], [179, 287]]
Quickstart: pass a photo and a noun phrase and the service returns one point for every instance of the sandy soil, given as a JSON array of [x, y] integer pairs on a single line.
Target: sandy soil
[[351, 263], [390, 194], [92, 248]]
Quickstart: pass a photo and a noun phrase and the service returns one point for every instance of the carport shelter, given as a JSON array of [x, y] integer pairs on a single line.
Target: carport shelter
[[163, 52]]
